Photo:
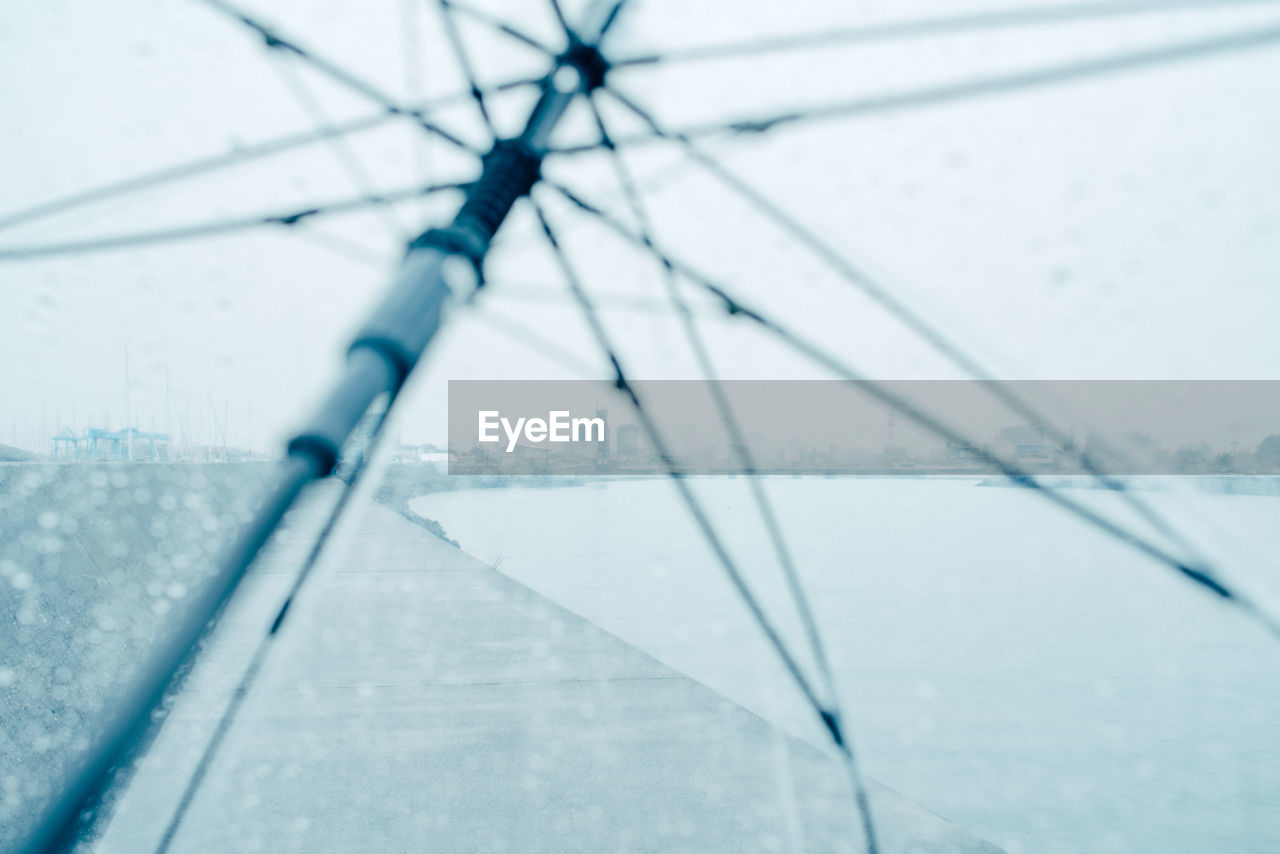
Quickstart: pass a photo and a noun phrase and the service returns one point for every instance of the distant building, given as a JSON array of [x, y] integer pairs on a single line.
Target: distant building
[[98, 444], [530, 459], [66, 445], [960, 454], [628, 441], [1029, 444], [602, 447]]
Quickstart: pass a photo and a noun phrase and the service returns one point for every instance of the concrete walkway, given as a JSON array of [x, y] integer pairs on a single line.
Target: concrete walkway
[[418, 700]]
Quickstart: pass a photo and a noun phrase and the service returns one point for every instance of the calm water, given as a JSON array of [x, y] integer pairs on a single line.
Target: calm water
[[1002, 665]]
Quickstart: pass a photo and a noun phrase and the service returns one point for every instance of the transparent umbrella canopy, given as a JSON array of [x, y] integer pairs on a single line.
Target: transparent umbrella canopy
[[609, 191]]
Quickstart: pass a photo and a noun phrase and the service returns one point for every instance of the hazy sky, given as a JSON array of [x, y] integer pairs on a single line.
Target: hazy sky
[[1118, 228]]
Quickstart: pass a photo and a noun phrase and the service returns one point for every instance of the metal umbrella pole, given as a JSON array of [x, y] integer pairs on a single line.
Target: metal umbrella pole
[[441, 267]]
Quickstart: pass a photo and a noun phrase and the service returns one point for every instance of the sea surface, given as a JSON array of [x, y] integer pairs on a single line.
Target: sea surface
[[999, 662]]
